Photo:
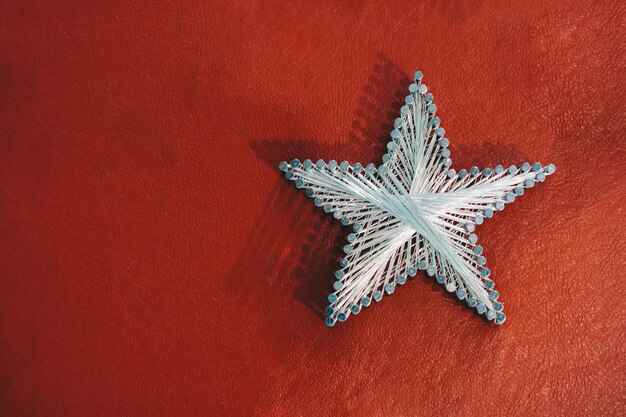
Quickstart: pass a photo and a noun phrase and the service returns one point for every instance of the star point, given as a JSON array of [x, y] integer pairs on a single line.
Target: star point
[[413, 212]]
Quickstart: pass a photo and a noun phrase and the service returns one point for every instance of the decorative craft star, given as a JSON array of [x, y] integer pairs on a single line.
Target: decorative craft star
[[413, 213]]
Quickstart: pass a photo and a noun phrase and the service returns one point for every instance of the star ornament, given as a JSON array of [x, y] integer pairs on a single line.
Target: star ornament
[[413, 212]]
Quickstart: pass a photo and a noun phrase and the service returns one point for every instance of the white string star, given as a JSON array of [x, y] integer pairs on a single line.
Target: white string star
[[412, 213]]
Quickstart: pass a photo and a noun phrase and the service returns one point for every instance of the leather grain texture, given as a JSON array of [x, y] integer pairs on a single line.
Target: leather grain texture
[[153, 261]]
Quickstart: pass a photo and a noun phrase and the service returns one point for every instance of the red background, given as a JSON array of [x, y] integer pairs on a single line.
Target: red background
[[153, 261]]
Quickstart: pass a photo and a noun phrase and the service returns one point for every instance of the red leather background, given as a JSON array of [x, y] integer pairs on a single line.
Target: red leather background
[[153, 261]]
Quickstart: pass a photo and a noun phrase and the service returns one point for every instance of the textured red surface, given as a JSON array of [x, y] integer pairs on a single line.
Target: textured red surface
[[153, 261]]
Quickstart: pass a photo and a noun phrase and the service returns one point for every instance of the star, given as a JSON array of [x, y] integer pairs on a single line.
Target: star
[[413, 212]]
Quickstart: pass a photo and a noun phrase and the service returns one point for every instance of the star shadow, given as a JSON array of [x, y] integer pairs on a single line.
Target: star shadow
[[312, 268]]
